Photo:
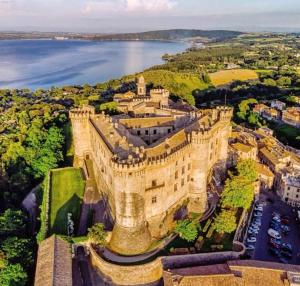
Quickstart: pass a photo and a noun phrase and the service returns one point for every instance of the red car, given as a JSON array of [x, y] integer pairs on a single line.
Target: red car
[[285, 221]]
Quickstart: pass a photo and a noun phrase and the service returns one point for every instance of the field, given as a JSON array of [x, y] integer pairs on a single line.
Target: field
[[227, 76], [66, 194]]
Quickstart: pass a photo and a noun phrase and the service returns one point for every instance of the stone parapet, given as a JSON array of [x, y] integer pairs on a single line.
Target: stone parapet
[[128, 275]]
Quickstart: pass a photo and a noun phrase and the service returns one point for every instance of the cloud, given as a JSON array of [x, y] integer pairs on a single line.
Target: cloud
[[149, 5], [128, 6]]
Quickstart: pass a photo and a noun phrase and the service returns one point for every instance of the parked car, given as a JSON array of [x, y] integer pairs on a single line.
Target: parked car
[[277, 241], [273, 233], [257, 214], [258, 208], [285, 228], [253, 227], [287, 247], [286, 254], [250, 247], [276, 219], [283, 260], [251, 231], [274, 251], [275, 214], [285, 221], [251, 239], [275, 245]]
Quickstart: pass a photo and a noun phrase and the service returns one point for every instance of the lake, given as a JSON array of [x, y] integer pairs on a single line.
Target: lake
[[45, 63]]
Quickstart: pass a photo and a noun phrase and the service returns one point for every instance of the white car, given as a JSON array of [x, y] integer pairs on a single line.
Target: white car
[[254, 227], [251, 231], [258, 209], [273, 233], [250, 247], [251, 239], [257, 214]]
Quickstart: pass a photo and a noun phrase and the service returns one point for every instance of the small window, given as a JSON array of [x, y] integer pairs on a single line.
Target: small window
[[183, 158], [288, 188], [176, 175], [147, 132], [297, 196], [176, 163], [189, 166], [175, 188], [182, 182], [154, 183], [154, 131], [188, 178], [183, 170], [138, 132], [154, 200], [210, 156], [169, 130]]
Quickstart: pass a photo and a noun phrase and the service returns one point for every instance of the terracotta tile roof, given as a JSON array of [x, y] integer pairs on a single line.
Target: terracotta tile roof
[[54, 263]]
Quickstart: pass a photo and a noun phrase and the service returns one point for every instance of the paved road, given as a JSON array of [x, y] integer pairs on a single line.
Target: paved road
[[261, 251]]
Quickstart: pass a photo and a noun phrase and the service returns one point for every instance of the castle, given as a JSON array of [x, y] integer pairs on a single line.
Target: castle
[[150, 161]]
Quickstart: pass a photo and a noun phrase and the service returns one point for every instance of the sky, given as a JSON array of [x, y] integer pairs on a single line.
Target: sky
[[111, 16]]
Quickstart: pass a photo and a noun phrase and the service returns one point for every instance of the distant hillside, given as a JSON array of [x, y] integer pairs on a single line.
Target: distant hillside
[[163, 35], [177, 34]]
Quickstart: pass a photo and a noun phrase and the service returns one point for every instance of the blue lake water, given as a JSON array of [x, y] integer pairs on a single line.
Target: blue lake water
[[45, 63]]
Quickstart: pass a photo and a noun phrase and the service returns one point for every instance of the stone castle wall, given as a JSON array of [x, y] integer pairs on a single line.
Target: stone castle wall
[[128, 275], [139, 193]]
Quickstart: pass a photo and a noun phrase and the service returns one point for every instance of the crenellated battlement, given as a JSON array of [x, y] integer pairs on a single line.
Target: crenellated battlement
[[82, 112]]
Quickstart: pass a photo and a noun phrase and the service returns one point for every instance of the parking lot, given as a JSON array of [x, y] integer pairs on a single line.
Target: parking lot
[[262, 245]]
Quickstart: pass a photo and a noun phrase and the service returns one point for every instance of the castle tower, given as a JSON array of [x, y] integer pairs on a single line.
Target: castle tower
[[198, 194], [81, 133], [141, 86], [130, 235]]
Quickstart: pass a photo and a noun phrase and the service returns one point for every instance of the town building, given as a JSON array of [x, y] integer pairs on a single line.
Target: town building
[[244, 151], [265, 177], [289, 187], [291, 116], [277, 104], [149, 166], [260, 108], [271, 114], [235, 273]]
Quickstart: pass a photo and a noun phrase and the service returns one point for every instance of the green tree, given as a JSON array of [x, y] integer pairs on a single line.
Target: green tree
[[97, 234], [13, 275], [12, 223], [186, 229], [269, 82], [284, 81], [247, 170], [244, 107], [238, 193], [225, 222], [18, 250]]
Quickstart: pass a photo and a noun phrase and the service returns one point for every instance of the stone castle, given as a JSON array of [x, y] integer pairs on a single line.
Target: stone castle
[[150, 160]]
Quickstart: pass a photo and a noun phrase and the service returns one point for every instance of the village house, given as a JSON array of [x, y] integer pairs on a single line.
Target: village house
[[291, 116], [277, 104]]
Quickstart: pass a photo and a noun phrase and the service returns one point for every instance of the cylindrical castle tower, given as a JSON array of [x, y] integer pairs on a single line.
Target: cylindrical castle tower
[[130, 234]]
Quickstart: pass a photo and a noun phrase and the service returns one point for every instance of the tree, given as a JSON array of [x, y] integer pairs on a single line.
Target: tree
[[13, 275], [284, 81], [225, 222], [186, 229], [238, 193], [97, 234], [269, 82], [12, 223], [247, 170], [244, 107], [18, 250]]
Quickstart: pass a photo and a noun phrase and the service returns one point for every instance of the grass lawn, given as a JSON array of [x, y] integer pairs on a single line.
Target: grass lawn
[[227, 76], [66, 194]]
